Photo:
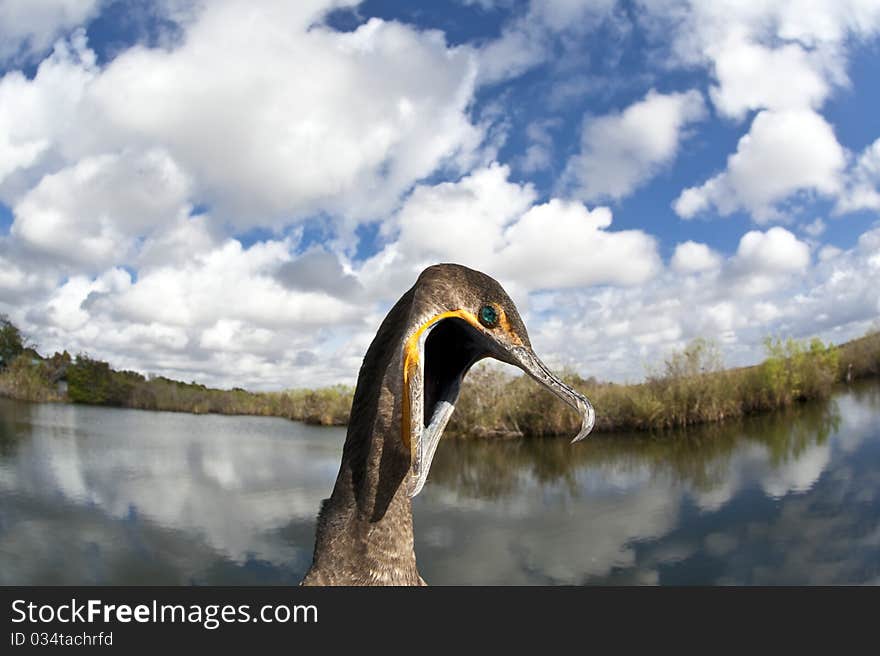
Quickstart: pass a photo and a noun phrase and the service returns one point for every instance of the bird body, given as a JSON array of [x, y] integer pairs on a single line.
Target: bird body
[[407, 388]]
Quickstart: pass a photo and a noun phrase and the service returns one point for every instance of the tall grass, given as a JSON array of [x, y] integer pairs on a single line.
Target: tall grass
[[860, 358], [26, 381], [690, 388]]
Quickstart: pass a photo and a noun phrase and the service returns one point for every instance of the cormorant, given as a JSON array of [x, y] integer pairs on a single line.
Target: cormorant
[[406, 391]]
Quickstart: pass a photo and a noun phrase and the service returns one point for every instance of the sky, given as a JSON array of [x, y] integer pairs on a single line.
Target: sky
[[236, 192]]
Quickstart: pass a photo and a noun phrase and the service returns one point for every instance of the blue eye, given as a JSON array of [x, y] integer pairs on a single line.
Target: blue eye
[[488, 316]]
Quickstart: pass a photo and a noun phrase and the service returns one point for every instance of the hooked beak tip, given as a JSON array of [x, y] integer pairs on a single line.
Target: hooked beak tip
[[526, 360], [589, 420]]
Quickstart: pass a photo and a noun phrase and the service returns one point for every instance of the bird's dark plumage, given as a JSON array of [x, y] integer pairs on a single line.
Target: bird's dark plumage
[[407, 386]]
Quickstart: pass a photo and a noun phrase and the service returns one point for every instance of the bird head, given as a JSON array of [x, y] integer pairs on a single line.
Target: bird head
[[459, 316]]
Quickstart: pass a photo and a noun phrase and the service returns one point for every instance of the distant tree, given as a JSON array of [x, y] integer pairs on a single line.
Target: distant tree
[[89, 381], [12, 343]]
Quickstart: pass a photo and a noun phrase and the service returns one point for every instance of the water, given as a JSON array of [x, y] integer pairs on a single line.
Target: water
[[105, 496]]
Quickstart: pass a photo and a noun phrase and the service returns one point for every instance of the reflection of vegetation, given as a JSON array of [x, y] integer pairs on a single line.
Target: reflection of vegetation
[[866, 395], [9, 420], [696, 456]]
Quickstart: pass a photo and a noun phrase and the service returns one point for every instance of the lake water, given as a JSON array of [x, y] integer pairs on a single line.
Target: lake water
[[107, 496]]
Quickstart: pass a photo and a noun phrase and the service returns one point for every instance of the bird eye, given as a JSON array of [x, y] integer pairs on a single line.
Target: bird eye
[[488, 316]]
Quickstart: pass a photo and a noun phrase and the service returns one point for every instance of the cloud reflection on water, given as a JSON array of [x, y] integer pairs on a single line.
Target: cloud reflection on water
[[93, 495]]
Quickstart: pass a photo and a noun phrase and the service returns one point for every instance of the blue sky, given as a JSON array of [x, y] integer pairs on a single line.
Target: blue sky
[[236, 192]]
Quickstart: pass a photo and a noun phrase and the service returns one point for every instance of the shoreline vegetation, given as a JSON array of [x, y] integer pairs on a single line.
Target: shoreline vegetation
[[691, 387]]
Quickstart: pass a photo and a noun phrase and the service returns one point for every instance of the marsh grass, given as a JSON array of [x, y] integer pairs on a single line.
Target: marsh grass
[[690, 388], [26, 381]]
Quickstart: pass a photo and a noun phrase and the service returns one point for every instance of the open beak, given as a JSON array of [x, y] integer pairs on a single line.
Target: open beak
[[439, 393]]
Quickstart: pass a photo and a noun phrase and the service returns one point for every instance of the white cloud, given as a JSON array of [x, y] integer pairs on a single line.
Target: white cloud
[[563, 244], [258, 113], [519, 48], [774, 251], [691, 257], [621, 151], [184, 319], [784, 153], [281, 100], [863, 183], [765, 261], [93, 213], [728, 35], [272, 97], [229, 282], [18, 285], [783, 59], [28, 28], [488, 223], [65, 305], [752, 76], [769, 286], [34, 114], [179, 241]]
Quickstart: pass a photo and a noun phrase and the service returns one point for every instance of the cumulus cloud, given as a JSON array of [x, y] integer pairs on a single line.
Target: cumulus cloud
[[35, 114], [489, 223], [763, 261], [783, 60], [28, 29], [784, 153], [187, 317], [752, 76], [280, 100], [270, 305], [804, 40], [18, 283], [774, 251], [691, 257], [577, 241], [621, 151], [93, 213], [769, 286]]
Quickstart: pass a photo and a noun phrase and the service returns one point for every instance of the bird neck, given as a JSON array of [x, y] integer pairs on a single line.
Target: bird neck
[[364, 533], [365, 529]]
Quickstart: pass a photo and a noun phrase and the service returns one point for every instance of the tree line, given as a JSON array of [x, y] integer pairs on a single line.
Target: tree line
[[690, 387]]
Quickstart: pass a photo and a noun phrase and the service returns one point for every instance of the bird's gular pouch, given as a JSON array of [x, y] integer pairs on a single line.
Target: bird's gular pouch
[[436, 359]]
